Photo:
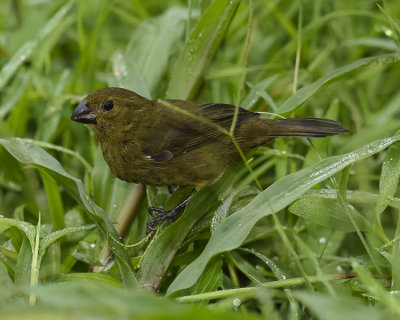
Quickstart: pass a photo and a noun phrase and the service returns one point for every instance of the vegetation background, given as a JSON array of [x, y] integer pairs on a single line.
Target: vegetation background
[[287, 236]]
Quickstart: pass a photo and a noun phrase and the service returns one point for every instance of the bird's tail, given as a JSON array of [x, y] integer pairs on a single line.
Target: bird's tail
[[303, 127]]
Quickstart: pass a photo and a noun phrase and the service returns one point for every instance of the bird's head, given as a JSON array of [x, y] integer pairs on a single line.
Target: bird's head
[[111, 111]]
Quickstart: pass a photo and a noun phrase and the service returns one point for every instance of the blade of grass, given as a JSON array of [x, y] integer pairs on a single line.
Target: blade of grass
[[340, 307], [305, 93], [200, 48], [233, 231], [29, 47], [28, 153]]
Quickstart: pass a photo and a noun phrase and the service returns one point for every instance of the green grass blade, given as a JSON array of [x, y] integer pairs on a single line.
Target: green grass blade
[[153, 44], [47, 240], [54, 201], [200, 48], [29, 153], [389, 179], [233, 231], [343, 307], [303, 94], [160, 252], [329, 213], [29, 47], [24, 263], [377, 290]]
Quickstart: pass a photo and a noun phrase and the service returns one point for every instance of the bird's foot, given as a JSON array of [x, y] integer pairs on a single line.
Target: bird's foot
[[163, 215]]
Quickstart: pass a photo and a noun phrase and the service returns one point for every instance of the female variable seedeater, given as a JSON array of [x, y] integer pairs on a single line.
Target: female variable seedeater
[[150, 142]]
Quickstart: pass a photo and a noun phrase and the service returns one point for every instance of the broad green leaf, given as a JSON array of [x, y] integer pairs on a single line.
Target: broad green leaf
[[153, 43], [389, 178], [305, 93], [354, 196], [161, 251], [233, 231], [200, 48], [96, 300], [211, 279], [27, 152], [329, 213], [125, 75]]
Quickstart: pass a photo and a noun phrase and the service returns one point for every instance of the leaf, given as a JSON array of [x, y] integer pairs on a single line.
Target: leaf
[[5, 280], [212, 278], [337, 307], [389, 178], [329, 213], [152, 44], [303, 94], [233, 231], [24, 263], [97, 300], [54, 236], [109, 192], [161, 251], [30, 46], [377, 290], [54, 200], [200, 48], [247, 268], [86, 277], [27, 152], [126, 75], [27, 228]]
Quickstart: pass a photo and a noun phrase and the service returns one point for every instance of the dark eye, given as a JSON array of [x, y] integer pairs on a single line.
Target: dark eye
[[108, 105]]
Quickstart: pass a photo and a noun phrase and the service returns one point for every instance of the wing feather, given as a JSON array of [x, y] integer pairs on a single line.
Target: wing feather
[[186, 134]]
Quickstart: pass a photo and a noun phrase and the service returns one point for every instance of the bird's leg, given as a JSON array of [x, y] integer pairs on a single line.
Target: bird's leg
[[171, 189], [163, 215]]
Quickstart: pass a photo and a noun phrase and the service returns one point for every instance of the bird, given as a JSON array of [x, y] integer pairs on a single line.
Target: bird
[[177, 142]]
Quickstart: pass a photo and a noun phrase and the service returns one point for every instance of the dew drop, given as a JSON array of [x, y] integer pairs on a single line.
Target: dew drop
[[236, 302]]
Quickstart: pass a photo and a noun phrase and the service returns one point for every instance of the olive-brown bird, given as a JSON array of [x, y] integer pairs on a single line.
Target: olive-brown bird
[[149, 142]]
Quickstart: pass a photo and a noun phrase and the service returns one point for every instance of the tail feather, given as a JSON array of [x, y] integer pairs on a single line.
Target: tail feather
[[304, 127]]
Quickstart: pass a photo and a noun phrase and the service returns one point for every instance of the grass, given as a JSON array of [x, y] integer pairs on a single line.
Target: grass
[[295, 232]]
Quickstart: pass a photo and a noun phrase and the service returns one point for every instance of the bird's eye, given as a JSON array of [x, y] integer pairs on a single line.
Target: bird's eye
[[108, 105]]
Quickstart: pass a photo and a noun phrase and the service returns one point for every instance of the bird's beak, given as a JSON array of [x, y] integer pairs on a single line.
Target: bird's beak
[[84, 114]]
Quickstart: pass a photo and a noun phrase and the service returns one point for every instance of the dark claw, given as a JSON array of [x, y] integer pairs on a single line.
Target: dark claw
[[163, 215]]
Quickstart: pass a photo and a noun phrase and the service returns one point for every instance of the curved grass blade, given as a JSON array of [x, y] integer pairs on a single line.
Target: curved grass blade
[[231, 233], [29, 47], [303, 94], [200, 48], [389, 179], [27, 152]]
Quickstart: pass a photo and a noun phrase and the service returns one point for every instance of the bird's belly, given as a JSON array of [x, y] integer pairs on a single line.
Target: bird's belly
[[187, 169]]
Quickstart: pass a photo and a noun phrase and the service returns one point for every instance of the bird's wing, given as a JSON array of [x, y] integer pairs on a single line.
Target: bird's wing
[[185, 133]]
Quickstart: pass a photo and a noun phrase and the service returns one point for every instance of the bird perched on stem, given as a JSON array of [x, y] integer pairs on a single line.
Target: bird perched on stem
[[176, 142]]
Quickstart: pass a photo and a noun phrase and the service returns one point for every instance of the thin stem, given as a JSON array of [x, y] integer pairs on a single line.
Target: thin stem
[[35, 262], [270, 285]]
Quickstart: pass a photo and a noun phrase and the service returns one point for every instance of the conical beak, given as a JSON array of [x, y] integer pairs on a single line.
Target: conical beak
[[83, 114]]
